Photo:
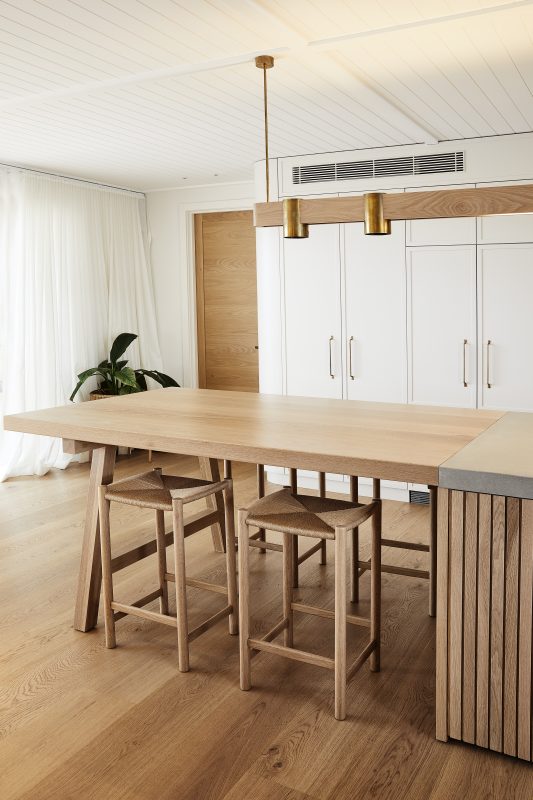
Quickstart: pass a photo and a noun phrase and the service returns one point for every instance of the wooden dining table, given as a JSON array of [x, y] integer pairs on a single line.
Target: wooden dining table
[[375, 440]]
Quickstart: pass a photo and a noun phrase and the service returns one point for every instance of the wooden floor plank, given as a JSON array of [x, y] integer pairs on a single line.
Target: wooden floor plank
[[79, 721]]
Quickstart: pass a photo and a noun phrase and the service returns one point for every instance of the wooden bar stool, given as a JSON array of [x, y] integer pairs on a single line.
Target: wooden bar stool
[[321, 518], [167, 493], [259, 540], [360, 567]]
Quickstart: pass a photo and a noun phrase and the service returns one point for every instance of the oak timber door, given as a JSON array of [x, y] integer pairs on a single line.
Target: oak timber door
[[226, 301]]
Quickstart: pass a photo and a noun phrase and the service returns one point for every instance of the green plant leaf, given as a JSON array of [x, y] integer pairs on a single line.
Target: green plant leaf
[[127, 377], [159, 377], [105, 363], [82, 377], [141, 380], [120, 345]]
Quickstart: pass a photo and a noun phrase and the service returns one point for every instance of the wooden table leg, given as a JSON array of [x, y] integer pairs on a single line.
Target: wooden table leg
[[433, 493], [90, 576], [211, 471]]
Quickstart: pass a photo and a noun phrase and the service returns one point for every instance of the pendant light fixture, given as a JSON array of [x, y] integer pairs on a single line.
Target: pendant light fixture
[[293, 227], [375, 222]]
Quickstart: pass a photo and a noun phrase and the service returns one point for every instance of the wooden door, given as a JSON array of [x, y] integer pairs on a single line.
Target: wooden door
[[313, 313], [226, 301], [506, 326], [441, 325]]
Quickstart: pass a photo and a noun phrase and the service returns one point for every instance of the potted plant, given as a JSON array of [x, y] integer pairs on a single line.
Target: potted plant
[[116, 377]]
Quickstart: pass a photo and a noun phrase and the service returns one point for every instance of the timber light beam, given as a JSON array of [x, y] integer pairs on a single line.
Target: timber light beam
[[441, 204]]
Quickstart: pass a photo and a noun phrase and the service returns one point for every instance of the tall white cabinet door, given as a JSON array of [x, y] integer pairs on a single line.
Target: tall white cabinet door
[[441, 330], [505, 314], [376, 358], [313, 313]]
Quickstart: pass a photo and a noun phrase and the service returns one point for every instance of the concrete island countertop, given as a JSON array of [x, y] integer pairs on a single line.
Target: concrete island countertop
[[499, 461]]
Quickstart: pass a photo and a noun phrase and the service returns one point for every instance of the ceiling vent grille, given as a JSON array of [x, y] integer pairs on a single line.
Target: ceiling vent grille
[[431, 164]]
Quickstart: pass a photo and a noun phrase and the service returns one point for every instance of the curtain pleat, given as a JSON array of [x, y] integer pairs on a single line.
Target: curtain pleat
[[74, 272]]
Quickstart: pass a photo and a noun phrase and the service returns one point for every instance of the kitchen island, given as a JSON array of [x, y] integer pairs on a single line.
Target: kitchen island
[[485, 589], [480, 460]]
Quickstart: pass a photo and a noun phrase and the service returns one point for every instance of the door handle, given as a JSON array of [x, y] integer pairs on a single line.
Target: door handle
[[331, 340], [350, 368], [489, 378], [465, 382]]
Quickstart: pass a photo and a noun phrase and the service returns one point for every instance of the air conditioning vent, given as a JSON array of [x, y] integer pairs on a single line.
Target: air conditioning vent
[[431, 164], [418, 497]]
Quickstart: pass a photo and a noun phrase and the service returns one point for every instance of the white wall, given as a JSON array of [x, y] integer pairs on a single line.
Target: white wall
[[170, 220]]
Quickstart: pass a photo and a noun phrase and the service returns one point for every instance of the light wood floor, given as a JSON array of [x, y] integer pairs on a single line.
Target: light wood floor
[[79, 721]]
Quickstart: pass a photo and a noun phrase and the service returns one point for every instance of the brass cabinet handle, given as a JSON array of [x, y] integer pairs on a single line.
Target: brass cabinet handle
[[489, 381], [350, 368], [331, 375], [465, 383]]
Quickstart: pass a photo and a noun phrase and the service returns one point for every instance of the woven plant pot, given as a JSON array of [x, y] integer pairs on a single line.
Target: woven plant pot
[[96, 395]]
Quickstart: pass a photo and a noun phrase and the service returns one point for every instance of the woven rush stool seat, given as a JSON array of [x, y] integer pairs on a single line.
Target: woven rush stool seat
[[306, 515], [155, 490], [259, 539], [323, 518], [167, 493]]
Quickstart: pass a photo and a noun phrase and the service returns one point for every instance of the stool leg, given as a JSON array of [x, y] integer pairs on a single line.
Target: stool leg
[[244, 602], [231, 568], [261, 493], [107, 573], [375, 589], [288, 572], [322, 493], [354, 497], [433, 551], [340, 623], [161, 559], [294, 542], [181, 587]]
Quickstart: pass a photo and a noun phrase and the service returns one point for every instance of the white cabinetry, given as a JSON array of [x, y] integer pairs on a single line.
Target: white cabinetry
[[374, 302], [405, 317], [441, 335], [313, 325], [506, 228], [505, 313]]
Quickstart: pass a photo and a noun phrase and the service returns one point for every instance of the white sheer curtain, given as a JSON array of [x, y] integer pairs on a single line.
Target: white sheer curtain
[[74, 272]]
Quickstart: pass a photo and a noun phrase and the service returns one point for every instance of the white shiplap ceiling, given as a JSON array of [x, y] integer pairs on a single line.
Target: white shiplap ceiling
[[157, 93]]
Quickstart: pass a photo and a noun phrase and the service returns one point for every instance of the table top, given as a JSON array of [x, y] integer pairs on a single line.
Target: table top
[[377, 440], [498, 462]]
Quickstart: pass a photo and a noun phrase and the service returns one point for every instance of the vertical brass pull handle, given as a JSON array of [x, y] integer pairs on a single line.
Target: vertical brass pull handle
[[465, 383], [350, 368], [331, 374], [489, 379]]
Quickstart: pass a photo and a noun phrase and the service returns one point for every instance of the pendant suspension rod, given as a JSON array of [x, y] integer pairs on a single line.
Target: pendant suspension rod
[[264, 63], [265, 103]]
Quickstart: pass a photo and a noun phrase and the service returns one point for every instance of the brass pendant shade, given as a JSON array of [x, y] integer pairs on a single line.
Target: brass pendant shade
[[375, 222], [293, 227]]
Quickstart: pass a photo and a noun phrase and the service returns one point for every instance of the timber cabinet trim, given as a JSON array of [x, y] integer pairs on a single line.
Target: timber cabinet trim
[[484, 621]]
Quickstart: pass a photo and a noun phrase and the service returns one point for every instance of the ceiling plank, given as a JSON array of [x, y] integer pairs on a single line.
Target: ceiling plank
[[139, 77], [336, 41]]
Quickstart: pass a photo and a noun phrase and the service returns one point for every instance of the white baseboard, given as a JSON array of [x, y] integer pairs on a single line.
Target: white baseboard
[[341, 487]]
